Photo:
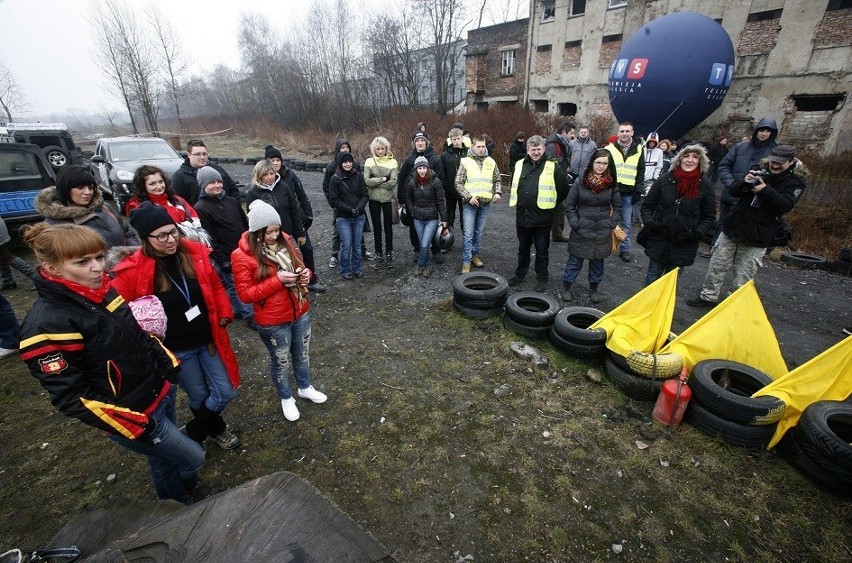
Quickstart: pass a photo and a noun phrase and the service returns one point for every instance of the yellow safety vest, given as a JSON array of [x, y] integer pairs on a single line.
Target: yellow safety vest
[[479, 182], [546, 185], [625, 169]]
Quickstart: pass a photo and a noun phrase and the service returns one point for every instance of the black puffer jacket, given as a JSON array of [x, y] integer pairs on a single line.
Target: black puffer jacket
[[426, 201], [347, 192], [224, 218], [755, 216], [674, 225], [94, 360], [406, 169], [450, 161], [592, 217]]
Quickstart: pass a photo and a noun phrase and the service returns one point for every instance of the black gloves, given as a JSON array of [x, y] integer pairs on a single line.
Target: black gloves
[[308, 222], [173, 375], [145, 436], [355, 212], [635, 199]]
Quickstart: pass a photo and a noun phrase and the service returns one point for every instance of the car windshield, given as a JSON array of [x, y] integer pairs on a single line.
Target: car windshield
[[141, 151], [18, 165]]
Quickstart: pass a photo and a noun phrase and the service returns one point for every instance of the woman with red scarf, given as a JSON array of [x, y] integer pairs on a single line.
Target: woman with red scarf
[[678, 212], [593, 209], [81, 342], [150, 184]]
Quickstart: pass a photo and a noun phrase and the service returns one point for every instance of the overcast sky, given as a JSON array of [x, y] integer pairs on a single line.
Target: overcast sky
[[48, 47]]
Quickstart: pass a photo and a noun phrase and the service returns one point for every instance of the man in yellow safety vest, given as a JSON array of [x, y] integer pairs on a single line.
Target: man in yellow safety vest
[[630, 171], [478, 184], [539, 185]]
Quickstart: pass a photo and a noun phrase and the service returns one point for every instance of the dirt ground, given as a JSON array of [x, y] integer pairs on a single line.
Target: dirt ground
[[417, 448]]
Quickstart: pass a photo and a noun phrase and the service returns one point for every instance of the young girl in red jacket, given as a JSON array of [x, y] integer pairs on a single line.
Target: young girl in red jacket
[[269, 273]]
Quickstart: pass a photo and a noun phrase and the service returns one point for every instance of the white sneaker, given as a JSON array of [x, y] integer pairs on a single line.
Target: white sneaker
[[312, 394], [8, 352], [291, 413]]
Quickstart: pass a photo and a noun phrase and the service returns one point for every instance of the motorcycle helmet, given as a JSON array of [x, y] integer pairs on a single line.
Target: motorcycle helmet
[[404, 216], [443, 239]]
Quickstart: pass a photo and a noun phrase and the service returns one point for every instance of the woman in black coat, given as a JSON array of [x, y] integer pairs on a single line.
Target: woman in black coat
[[593, 208], [678, 212]]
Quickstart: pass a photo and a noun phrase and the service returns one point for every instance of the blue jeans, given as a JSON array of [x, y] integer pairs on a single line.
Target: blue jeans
[[244, 310], [9, 328], [173, 457], [473, 223], [425, 234], [286, 341], [626, 216], [527, 236], [656, 269], [575, 264], [204, 378], [351, 231]]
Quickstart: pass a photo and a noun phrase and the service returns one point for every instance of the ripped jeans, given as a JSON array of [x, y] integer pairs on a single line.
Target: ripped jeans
[[288, 342]]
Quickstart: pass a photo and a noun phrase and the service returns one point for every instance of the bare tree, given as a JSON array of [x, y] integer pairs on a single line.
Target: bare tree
[[12, 99], [492, 12], [394, 62], [444, 20], [173, 64]]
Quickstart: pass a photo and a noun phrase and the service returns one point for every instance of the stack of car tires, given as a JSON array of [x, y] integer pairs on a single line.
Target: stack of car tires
[[722, 405], [820, 446], [640, 376], [571, 335], [480, 295], [530, 314]]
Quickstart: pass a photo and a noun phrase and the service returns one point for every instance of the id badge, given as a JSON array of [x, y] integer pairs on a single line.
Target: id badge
[[192, 312]]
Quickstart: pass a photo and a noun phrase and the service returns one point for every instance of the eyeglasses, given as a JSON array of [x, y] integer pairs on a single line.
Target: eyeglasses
[[164, 237], [198, 154]]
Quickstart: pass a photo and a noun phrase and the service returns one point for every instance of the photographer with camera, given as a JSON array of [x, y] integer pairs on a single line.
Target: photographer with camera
[[753, 225]]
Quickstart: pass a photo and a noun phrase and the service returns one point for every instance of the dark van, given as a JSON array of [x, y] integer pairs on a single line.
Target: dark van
[[24, 171]]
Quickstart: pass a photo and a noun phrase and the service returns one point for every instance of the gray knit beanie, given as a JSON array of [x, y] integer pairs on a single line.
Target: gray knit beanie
[[205, 175], [261, 215]]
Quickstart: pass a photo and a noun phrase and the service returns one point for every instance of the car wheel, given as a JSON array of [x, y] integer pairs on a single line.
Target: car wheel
[[478, 314], [480, 287], [815, 470], [575, 349], [733, 433], [803, 260], [532, 332], [572, 323], [634, 386], [828, 425], [725, 388], [531, 308], [56, 156]]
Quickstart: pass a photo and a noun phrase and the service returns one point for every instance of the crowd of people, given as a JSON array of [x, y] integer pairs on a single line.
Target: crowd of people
[[128, 311]]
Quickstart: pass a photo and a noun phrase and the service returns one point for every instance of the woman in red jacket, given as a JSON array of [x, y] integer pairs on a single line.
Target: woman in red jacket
[[180, 274], [150, 184], [269, 273]]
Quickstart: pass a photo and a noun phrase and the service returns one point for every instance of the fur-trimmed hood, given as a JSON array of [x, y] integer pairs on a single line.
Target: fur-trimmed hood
[[703, 159], [47, 203], [799, 168]]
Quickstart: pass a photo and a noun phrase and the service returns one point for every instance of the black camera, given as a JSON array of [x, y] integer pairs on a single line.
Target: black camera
[[759, 174]]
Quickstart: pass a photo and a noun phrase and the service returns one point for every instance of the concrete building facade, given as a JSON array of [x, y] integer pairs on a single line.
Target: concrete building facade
[[496, 64], [793, 63]]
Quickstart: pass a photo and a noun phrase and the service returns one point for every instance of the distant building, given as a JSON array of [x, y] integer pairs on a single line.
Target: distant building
[[793, 62], [496, 64]]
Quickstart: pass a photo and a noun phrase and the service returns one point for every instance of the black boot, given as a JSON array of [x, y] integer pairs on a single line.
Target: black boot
[[566, 291], [389, 260], [196, 428], [380, 261], [594, 295]]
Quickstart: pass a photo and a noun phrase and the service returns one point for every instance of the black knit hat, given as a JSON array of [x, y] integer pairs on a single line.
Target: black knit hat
[[149, 217], [420, 135], [272, 152], [72, 177]]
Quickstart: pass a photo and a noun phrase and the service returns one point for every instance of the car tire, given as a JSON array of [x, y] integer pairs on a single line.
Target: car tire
[[828, 426], [531, 332], [531, 308], [734, 402], [572, 323], [56, 156], [480, 287], [732, 433], [575, 349], [815, 470], [634, 386], [803, 260], [478, 314]]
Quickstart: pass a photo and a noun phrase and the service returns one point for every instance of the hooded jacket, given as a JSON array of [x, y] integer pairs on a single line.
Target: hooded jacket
[[223, 217], [450, 161], [517, 151], [755, 217], [284, 200], [97, 216], [185, 184], [134, 277], [556, 148], [674, 225], [375, 170], [331, 167], [745, 156], [347, 191], [93, 359], [273, 303], [426, 202]]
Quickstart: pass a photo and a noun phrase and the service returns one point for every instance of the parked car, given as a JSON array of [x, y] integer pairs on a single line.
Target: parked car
[[24, 171], [54, 139], [116, 160]]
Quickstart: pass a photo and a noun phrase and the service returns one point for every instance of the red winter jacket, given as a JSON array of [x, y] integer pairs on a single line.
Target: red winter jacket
[[274, 304], [134, 277]]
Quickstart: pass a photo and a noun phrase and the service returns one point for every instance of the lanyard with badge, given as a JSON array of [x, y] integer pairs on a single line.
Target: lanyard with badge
[[193, 310]]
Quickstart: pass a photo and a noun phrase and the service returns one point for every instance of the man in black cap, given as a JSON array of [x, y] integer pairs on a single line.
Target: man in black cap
[[421, 146], [755, 222], [184, 182]]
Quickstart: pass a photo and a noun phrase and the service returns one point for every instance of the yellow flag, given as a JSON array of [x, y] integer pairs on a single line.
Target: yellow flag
[[736, 329], [828, 377], [644, 321]]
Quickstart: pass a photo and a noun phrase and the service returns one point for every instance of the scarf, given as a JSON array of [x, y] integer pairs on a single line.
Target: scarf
[[280, 256], [163, 201], [687, 182], [421, 180], [93, 295], [597, 183]]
